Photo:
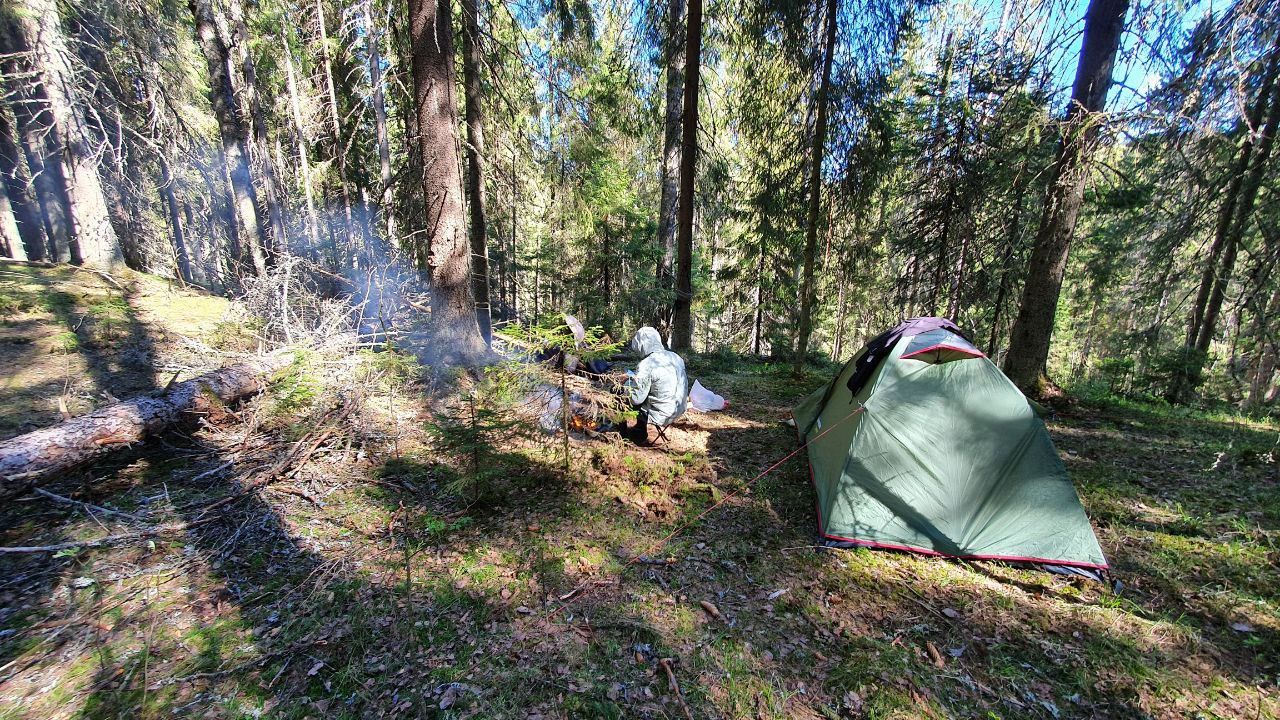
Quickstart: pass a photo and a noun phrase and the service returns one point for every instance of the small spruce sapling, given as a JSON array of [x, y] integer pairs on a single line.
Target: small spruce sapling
[[109, 313], [418, 533], [552, 333], [485, 418]]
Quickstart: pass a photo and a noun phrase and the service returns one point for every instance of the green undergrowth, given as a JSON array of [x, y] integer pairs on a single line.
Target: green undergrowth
[[559, 596]]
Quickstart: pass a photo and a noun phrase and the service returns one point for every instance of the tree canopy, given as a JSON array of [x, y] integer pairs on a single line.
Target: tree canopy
[[851, 164]]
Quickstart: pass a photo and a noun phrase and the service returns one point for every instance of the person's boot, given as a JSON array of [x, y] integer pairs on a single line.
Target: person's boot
[[639, 434]]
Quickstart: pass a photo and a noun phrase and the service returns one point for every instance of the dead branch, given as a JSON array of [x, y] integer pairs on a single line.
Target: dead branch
[[107, 540], [289, 465], [68, 501], [675, 686]]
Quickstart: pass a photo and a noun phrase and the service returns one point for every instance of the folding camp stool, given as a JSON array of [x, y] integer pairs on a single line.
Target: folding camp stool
[[662, 433]]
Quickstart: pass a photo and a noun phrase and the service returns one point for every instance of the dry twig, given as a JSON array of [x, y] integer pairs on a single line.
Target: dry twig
[[675, 686], [288, 465], [108, 540], [68, 501]]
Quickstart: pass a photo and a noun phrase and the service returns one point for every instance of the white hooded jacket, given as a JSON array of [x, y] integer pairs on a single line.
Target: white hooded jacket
[[660, 384]]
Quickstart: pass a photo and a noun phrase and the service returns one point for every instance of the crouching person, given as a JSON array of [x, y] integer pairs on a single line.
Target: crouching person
[[659, 388]]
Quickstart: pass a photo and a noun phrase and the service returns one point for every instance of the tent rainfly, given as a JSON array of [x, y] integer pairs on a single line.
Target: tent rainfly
[[922, 444]]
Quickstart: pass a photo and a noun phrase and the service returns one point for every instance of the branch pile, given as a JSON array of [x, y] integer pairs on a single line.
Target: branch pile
[[286, 466]]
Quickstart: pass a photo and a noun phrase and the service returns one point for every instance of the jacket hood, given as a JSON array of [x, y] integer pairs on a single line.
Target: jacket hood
[[647, 341]]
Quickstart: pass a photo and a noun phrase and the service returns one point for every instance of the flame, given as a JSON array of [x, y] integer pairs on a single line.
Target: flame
[[580, 423]]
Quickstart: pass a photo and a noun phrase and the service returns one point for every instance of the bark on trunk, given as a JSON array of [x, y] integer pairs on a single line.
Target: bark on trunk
[[339, 149], [95, 242], [514, 257], [11, 245], [235, 251], [410, 205], [233, 131], [957, 279], [26, 216], [178, 236], [1013, 231], [279, 238], [1243, 211], [606, 276], [1231, 198], [837, 346], [1026, 364], [816, 152], [1264, 365], [380, 125], [28, 460], [130, 208], [304, 153], [39, 141], [670, 174], [682, 320], [757, 319], [471, 61], [453, 317]]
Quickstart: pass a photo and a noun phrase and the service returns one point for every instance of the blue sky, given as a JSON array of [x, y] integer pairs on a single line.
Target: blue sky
[[1149, 24]]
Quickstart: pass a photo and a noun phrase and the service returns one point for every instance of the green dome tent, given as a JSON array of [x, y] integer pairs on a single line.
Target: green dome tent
[[922, 444]]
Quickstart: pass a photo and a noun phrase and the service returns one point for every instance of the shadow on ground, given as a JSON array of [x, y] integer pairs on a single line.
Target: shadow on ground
[[357, 588]]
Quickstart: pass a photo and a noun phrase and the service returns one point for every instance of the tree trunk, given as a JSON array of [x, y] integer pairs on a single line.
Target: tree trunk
[[304, 153], [501, 264], [1027, 360], [1013, 231], [39, 141], [1264, 364], [11, 245], [30, 459], [471, 62], [235, 250], [453, 317], [339, 150], [1001, 293], [670, 174], [30, 239], [95, 241], [514, 257], [380, 125], [178, 236], [410, 205], [816, 153], [1247, 174], [757, 319], [130, 207], [48, 188], [682, 320], [606, 279], [1226, 213], [279, 238], [837, 346], [1243, 211], [233, 131], [957, 279]]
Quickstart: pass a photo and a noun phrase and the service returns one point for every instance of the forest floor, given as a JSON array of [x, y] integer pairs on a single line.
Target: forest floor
[[357, 588], [72, 340]]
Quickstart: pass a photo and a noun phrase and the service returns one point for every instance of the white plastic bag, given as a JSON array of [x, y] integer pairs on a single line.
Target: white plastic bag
[[705, 400]]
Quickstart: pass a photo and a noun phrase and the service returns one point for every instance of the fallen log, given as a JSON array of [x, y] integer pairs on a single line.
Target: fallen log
[[108, 540], [28, 460]]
